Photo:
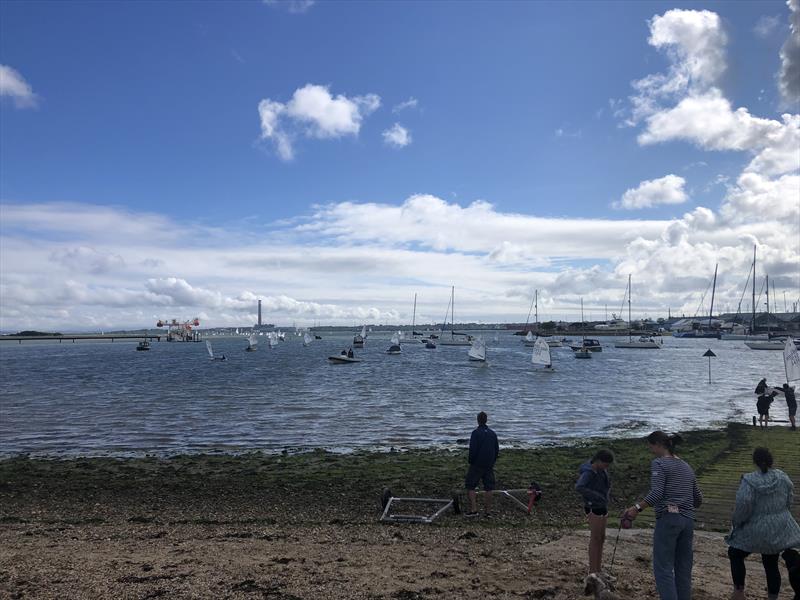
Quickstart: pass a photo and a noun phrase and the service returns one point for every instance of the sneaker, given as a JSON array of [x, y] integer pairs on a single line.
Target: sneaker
[[471, 514]]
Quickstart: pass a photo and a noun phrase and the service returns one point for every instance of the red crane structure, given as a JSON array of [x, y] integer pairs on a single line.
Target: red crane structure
[[180, 332]]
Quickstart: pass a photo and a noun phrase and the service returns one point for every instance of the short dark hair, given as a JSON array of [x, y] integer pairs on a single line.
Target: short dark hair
[[482, 417], [603, 455], [762, 457]]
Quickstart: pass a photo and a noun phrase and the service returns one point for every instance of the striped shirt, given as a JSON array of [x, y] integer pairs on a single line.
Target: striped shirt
[[673, 484]]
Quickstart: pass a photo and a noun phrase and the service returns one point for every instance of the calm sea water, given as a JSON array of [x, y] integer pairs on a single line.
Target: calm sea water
[[102, 398]]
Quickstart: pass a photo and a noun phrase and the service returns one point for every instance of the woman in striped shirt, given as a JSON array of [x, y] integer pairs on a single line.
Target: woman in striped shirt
[[674, 495]]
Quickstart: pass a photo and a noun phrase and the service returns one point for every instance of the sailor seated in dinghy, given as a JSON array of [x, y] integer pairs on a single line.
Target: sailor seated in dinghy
[[350, 353]]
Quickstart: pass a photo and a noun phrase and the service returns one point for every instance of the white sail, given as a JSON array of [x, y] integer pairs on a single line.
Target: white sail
[[210, 350], [252, 341], [307, 339], [478, 350], [529, 337], [396, 339], [363, 331], [791, 359], [273, 340], [541, 353]]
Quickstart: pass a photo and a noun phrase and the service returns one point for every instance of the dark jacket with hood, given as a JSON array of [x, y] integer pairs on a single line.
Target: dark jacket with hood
[[594, 486]]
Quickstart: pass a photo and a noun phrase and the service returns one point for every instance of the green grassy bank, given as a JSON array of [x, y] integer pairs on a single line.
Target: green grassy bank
[[317, 486]]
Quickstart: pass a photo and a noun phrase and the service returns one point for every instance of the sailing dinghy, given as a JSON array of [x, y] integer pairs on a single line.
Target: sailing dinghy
[[395, 344], [252, 343], [541, 355], [477, 351], [307, 339], [211, 352]]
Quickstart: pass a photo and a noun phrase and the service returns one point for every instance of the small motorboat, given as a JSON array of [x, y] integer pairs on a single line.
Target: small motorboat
[[583, 353], [430, 344], [340, 359], [590, 345], [143, 346]]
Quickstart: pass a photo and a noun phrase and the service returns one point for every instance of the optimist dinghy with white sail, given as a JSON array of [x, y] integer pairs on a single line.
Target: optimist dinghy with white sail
[[307, 339], [477, 351], [395, 345], [252, 343], [360, 338], [541, 355], [529, 340], [211, 353]]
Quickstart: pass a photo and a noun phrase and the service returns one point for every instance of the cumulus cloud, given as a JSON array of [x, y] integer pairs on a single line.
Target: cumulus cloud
[[665, 190], [789, 76], [762, 206], [694, 42], [410, 103], [14, 86], [397, 136], [313, 112]]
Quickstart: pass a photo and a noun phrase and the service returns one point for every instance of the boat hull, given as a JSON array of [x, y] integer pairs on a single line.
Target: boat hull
[[642, 345], [342, 360], [759, 345]]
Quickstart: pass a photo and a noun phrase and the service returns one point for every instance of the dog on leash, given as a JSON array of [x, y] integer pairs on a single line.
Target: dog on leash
[[595, 584]]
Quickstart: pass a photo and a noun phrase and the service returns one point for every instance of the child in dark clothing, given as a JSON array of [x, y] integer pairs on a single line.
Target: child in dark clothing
[[762, 406], [594, 485]]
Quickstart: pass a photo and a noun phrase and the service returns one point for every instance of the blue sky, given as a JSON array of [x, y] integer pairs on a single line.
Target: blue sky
[[151, 110]]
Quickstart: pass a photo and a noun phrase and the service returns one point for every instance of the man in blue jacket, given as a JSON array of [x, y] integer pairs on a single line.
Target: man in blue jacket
[[483, 452]]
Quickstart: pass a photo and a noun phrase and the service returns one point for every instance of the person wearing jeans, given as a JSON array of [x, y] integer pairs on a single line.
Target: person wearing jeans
[[674, 495], [763, 524]]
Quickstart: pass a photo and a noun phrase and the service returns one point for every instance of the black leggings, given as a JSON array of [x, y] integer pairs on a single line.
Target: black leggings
[[770, 562]]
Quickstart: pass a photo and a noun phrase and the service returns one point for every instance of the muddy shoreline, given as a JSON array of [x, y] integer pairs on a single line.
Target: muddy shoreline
[[306, 526]]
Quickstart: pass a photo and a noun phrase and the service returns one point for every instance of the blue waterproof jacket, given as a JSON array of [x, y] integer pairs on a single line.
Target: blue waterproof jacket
[[594, 486], [483, 447]]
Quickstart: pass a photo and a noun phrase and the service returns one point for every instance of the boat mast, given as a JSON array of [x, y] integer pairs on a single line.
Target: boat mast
[[768, 323], [753, 305], [630, 323], [452, 311], [713, 290], [583, 324], [414, 316], [536, 304]]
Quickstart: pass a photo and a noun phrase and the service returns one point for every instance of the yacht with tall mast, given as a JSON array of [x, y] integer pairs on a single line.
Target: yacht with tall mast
[[644, 341]]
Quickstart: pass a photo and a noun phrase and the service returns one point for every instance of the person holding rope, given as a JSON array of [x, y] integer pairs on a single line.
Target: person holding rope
[[674, 495], [763, 524], [594, 485]]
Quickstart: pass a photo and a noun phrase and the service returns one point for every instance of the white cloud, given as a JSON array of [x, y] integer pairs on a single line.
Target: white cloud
[[766, 25], [315, 113], [13, 85], [694, 42], [410, 103], [397, 136], [665, 190], [84, 258], [789, 76], [292, 6]]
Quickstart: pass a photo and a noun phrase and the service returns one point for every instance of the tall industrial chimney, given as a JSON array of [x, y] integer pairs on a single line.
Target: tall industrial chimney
[[259, 313]]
